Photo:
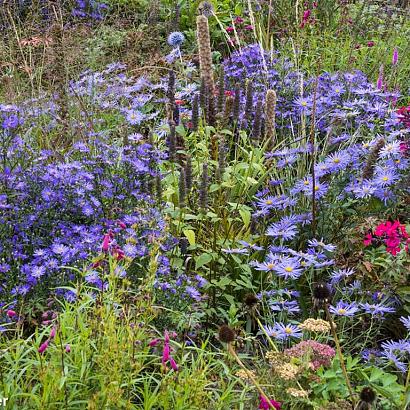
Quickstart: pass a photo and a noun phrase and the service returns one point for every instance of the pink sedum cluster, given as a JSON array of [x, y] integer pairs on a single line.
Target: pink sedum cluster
[[318, 353]]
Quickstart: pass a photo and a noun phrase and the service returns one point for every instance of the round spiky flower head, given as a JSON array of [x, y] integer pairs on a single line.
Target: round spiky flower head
[[226, 334], [367, 395], [176, 39], [206, 8], [250, 299], [321, 293]]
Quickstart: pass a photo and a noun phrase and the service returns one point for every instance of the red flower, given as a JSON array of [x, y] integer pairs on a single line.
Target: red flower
[[179, 102]]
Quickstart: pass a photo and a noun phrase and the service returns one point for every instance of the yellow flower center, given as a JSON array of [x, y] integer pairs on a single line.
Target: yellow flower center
[[342, 311], [336, 160], [306, 182], [270, 265], [304, 103], [289, 269], [288, 330], [317, 188], [269, 202], [385, 178]]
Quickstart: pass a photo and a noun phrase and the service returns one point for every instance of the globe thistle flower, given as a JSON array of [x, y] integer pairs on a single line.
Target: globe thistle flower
[[226, 334], [176, 39], [206, 8]]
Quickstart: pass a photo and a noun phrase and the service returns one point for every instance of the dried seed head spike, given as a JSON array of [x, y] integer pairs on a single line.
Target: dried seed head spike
[[270, 115], [205, 53]]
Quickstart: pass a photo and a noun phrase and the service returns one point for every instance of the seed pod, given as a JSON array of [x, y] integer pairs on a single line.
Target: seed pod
[[188, 173], [257, 122], [249, 101], [203, 94], [210, 114], [221, 159], [172, 143], [228, 110], [221, 90], [236, 104], [368, 170], [226, 334], [182, 188], [195, 113], [270, 115], [203, 192]]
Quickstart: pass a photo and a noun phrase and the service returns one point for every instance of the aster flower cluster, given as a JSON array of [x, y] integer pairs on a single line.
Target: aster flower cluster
[[89, 9]]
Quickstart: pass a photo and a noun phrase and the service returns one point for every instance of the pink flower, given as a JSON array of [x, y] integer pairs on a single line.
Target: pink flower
[[230, 29], [43, 347], [166, 353], [121, 224], [264, 404], [238, 20], [318, 354], [370, 44], [153, 342], [67, 348], [11, 313], [106, 241], [395, 57], [166, 336], [248, 27], [368, 239], [173, 364], [53, 333]]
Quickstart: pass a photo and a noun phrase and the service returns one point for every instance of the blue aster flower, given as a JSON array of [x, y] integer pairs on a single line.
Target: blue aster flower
[[287, 331], [376, 309], [406, 322]]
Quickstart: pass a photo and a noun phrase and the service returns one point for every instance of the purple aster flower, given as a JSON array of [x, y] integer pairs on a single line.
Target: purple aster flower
[[288, 331], [376, 309], [344, 309], [339, 275], [385, 177], [134, 117], [327, 247], [282, 230], [406, 322], [288, 268]]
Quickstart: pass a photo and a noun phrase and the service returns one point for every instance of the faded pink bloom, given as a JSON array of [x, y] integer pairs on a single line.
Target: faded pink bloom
[[43, 347], [53, 333], [11, 313], [248, 27], [238, 20], [67, 348], [319, 354]]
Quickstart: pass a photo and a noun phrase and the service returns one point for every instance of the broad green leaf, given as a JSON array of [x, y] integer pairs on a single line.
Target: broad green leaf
[[203, 260], [190, 235]]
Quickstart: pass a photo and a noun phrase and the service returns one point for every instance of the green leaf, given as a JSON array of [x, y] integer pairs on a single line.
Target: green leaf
[[190, 234], [203, 260], [246, 217]]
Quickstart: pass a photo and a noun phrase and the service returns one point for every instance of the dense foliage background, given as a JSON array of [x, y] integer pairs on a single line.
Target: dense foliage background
[[204, 205]]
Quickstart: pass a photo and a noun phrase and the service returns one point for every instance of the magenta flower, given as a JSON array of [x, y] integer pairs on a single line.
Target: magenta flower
[[67, 348], [153, 342], [43, 347], [53, 333], [106, 241], [11, 313], [264, 404], [395, 58], [173, 364], [165, 353]]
